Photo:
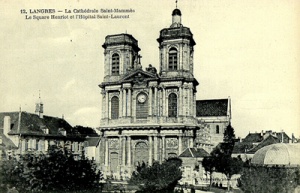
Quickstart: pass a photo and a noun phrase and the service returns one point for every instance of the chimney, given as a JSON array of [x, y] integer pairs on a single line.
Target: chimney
[[6, 125]]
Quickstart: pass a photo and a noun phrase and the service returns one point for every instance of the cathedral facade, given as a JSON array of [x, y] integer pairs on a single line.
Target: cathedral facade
[[147, 115]]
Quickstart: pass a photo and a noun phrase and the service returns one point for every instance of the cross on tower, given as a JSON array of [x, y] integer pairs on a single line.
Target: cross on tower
[[139, 59], [176, 3]]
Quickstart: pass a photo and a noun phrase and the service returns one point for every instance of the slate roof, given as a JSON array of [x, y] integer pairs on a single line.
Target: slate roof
[[194, 152], [32, 124], [242, 147], [92, 141], [213, 107], [253, 138], [268, 141]]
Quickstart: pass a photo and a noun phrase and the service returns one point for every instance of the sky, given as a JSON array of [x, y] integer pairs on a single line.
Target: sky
[[246, 50]]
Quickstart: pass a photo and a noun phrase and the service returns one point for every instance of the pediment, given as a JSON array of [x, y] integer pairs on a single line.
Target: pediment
[[139, 76]]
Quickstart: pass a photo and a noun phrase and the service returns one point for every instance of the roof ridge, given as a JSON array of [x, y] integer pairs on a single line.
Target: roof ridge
[[212, 99]]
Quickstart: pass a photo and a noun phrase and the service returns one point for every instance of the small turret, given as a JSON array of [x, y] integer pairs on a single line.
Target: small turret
[[176, 18], [39, 107]]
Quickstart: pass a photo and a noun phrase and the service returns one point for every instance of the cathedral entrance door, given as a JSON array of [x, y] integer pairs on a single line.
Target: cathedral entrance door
[[141, 153], [114, 161]]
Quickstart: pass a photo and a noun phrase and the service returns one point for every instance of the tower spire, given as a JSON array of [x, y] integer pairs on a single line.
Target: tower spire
[[176, 3], [39, 106]]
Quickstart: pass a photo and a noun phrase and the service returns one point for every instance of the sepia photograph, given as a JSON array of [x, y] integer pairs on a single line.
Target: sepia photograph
[[173, 96]]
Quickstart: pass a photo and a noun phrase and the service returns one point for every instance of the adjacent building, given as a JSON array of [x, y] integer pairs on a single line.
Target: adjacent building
[[253, 142], [22, 132], [213, 117]]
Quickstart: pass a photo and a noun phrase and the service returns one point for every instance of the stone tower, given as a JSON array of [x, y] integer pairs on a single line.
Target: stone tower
[[176, 47], [121, 55]]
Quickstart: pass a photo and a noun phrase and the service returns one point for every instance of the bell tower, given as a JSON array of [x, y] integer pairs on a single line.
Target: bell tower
[[176, 49], [121, 55]]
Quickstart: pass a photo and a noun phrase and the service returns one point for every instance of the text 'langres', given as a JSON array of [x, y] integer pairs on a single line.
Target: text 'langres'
[[45, 11]]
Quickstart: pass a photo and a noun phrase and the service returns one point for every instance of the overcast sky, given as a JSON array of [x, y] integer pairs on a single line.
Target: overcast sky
[[247, 49]]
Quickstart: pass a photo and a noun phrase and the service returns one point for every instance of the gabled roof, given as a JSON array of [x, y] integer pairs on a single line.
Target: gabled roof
[[242, 147], [268, 141], [213, 107], [92, 141], [253, 138], [279, 135], [32, 124], [194, 152]]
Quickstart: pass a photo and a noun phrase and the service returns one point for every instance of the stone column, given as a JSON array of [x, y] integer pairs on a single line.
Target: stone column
[[129, 151], [106, 152], [163, 156], [164, 102], [124, 151], [103, 108], [124, 103], [180, 108], [155, 148], [150, 150], [120, 102], [179, 145], [106, 105], [129, 103], [155, 101], [120, 155], [150, 101], [188, 101], [191, 101]]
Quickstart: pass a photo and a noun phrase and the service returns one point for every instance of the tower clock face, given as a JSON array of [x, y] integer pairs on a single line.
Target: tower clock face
[[142, 98]]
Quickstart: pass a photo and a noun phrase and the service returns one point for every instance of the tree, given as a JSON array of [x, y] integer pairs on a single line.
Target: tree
[[228, 140], [209, 165], [261, 179], [58, 171], [220, 159], [85, 131], [158, 178]]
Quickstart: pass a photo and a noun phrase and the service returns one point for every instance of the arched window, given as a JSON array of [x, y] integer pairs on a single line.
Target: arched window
[[173, 59], [115, 64], [217, 129], [172, 106], [114, 107]]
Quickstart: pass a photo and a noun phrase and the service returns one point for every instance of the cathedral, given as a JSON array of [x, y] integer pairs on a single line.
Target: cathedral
[[150, 115]]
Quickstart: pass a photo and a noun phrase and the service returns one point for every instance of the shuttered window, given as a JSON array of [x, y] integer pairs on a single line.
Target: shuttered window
[[115, 65], [114, 107], [172, 106]]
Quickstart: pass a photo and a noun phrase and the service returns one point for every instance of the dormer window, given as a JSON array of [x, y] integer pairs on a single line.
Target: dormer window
[[115, 64], [45, 130], [173, 59], [62, 131]]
